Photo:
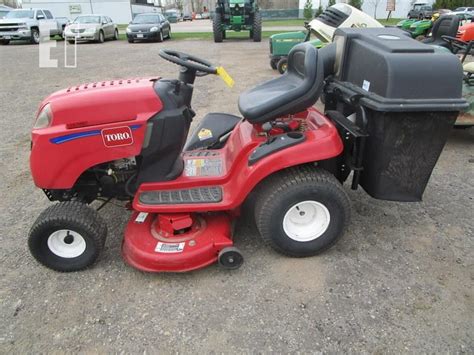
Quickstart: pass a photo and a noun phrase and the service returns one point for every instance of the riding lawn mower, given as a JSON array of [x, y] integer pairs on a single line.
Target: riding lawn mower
[[386, 121]]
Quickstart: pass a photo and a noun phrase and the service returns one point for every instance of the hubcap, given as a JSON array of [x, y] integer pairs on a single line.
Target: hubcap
[[66, 243], [306, 221]]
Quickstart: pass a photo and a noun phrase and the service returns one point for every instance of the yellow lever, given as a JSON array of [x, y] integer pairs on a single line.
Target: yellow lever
[[225, 76]]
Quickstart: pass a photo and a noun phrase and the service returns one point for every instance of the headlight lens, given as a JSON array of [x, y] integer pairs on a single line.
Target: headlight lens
[[129, 30], [44, 118], [154, 29]]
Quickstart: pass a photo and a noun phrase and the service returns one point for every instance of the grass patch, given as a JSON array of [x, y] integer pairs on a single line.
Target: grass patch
[[209, 35], [292, 22]]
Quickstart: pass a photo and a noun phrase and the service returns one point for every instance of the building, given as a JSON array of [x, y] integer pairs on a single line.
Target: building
[[121, 11]]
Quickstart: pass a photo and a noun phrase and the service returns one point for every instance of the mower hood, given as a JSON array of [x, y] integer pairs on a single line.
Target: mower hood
[[103, 102]]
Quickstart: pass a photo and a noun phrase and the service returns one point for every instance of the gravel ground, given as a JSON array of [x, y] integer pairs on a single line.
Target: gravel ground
[[400, 280]]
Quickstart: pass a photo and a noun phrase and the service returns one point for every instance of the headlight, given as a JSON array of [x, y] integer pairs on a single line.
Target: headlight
[[129, 30], [44, 118], [461, 32], [154, 29], [90, 30]]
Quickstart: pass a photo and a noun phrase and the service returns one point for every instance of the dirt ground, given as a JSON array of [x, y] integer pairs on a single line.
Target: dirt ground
[[400, 280]]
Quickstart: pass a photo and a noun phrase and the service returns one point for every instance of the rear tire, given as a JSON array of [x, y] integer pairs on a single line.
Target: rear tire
[[257, 27], [68, 236], [217, 28], [302, 211], [282, 65]]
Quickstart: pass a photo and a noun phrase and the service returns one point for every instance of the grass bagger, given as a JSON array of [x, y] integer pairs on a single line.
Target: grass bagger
[[126, 140], [319, 32], [237, 15]]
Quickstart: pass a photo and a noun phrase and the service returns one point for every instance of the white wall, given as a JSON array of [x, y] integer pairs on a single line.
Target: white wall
[[118, 10]]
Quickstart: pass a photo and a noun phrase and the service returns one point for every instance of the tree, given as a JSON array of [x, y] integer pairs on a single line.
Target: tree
[[319, 11], [308, 10], [331, 2], [375, 4], [356, 3]]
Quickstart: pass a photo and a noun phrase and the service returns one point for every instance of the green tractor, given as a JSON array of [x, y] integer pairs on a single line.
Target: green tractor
[[237, 15]]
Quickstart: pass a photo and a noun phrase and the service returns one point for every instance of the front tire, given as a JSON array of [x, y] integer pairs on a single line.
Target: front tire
[[282, 65], [274, 63], [101, 37], [160, 36], [116, 35], [68, 236], [302, 211], [5, 42], [35, 36]]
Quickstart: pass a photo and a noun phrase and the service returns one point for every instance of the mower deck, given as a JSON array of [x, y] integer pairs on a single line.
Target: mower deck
[[151, 242]]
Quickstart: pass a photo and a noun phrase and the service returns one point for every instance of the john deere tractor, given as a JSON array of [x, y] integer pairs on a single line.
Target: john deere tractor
[[237, 15]]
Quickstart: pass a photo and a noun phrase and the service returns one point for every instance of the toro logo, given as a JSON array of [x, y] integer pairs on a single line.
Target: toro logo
[[114, 137]]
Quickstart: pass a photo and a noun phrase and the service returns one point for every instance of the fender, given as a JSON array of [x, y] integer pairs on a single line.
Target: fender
[[238, 177]]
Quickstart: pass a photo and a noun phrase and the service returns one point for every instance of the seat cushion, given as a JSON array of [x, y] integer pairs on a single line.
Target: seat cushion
[[293, 92]]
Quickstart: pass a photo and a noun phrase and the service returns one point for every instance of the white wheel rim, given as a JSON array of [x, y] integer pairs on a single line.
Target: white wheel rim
[[306, 221], [66, 243]]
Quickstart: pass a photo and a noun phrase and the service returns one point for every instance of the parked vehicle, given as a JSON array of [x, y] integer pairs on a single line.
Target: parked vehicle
[[24, 24], [420, 11], [237, 15], [154, 27], [4, 10], [187, 17], [319, 32], [173, 16], [465, 9], [128, 140], [96, 28]]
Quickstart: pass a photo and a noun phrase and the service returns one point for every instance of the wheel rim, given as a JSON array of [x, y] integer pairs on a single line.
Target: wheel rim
[[306, 221], [66, 243]]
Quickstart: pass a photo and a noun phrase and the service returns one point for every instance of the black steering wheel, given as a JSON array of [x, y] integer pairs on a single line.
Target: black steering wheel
[[200, 66]]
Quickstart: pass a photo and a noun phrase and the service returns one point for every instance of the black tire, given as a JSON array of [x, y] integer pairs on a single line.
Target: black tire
[[224, 36], [274, 63], [116, 35], [230, 258], [282, 65], [70, 217], [257, 27], [160, 36], [217, 28], [5, 42], [251, 34], [130, 40], [35, 36], [71, 42], [169, 34], [101, 37], [283, 192]]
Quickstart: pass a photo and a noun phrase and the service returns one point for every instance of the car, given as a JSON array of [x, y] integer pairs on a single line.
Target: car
[[4, 10], [149, 26], [187, 17], [95, 28], [466, 32], [24, 24], [465, 9], [420, 11], [173, 16]]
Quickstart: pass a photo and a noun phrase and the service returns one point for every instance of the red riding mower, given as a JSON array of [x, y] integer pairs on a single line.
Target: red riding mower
[[387, 120]]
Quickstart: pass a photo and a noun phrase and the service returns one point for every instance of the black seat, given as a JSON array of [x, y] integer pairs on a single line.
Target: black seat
[[446, 25], [293, 92]]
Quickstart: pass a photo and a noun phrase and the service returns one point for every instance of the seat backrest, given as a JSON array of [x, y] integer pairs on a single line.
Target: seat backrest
[[293, 92], [446, 25]]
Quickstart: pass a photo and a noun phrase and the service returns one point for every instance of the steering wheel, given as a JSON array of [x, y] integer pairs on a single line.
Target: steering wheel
[[200, 66], [455, 43]]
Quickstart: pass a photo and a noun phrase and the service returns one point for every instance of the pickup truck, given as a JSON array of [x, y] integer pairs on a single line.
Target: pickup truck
[[420, 11], [25, 24]]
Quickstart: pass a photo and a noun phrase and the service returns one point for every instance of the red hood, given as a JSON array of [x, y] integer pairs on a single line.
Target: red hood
[[104, 102]]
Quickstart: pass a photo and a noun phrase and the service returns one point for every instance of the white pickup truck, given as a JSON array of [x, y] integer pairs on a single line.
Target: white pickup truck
[[25, 24]]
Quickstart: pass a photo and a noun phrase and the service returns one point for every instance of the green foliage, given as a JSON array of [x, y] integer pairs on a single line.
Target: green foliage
[[331, 2], [308, 10], [319, 11], [451, 4], [356, 3]]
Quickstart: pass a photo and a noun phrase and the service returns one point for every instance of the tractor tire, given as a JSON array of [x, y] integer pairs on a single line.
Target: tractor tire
[[257, 27], [302, 211], [274, 63], [282, 65], [217, 29], [68, 236]]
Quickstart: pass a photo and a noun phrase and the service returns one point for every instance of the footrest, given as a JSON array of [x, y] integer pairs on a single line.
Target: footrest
[[212, 194]]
